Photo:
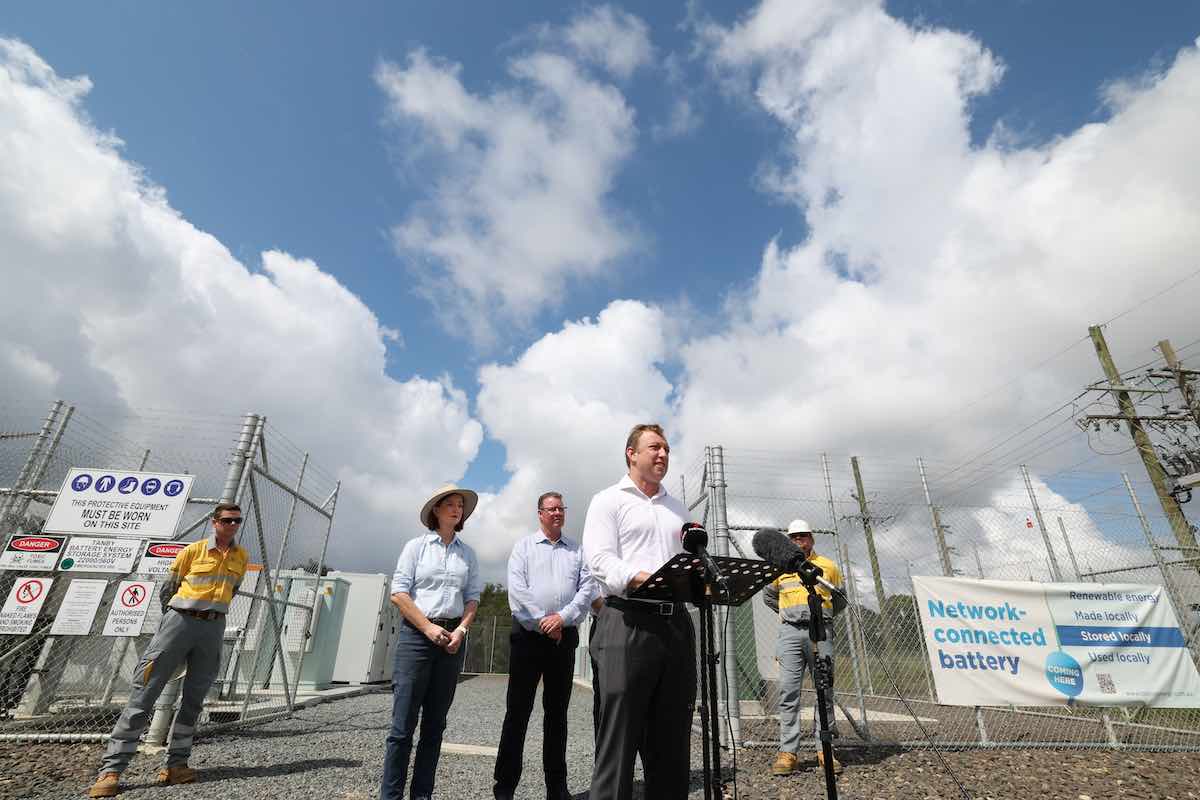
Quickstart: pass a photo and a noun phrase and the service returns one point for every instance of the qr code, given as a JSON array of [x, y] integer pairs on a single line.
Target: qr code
[[1106, 683]]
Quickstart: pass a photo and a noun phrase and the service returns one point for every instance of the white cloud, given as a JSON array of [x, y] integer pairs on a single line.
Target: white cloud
[[683, 119], [615, 39], [933, 267], [110, 296], [517, 207], [563, 410]]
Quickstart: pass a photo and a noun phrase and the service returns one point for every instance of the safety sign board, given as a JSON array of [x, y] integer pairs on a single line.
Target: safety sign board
[[89, 554], [129, 607], [24, 602], [33, 552], [119, 503], [78, 608], [157, 557]]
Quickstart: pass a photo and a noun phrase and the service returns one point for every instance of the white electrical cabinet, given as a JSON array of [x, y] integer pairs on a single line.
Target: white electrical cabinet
[[369, 630]]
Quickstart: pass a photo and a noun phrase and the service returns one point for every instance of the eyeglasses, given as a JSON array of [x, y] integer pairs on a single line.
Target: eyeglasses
[[559, 509], [229, 520]]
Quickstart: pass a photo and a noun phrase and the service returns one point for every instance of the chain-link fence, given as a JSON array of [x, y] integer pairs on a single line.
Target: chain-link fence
[[1025, 529], [73, 687]]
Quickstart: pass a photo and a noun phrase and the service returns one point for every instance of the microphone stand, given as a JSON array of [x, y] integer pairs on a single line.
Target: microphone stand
[[822, 673], [710, 733]]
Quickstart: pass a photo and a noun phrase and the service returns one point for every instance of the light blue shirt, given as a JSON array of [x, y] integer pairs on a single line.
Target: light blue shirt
[[545, 578], [439, 578]]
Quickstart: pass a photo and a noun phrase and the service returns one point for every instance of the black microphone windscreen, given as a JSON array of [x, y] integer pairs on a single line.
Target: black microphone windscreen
[[694, 537], [773, 547]]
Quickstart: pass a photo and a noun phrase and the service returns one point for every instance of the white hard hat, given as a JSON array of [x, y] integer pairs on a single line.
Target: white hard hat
[[799, 526]]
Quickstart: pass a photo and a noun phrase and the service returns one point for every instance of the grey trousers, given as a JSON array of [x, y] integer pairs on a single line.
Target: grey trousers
[[180, 640], [795, 652], [646, 684]]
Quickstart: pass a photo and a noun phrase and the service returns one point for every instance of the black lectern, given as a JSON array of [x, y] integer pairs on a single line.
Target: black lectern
[[684, 579]]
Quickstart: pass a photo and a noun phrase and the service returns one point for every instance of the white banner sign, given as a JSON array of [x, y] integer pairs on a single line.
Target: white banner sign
[[24, 602], [157, 557], [88, 554], [129, 607], [119, 503], [1037, 644], [32, 552], [78, 608]]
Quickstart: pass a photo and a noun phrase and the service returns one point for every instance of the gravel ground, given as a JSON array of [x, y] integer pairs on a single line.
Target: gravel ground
[[334, 751]]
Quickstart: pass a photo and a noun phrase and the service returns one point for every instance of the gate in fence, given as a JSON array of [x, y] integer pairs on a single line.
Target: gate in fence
[[67, 678]]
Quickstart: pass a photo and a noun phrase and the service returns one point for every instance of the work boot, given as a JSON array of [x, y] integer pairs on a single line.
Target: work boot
[[105, 785], [169, 776], [785, 764], [837, 765]]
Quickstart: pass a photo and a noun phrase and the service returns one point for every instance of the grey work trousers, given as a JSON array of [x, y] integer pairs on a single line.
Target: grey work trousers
[[180, 640], [794, 649], [646, 684]]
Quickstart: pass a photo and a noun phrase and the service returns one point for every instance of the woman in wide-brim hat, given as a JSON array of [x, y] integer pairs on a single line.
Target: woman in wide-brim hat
[[436, 587]]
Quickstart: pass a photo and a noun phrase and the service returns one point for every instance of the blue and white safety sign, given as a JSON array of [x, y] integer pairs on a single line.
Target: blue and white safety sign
[[144, 505]]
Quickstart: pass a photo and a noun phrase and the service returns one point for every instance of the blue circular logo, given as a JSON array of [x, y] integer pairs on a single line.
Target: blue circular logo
[[150, 486], [173, 487], [81, 482], [1064, 674], [127, 485], [105, 483]]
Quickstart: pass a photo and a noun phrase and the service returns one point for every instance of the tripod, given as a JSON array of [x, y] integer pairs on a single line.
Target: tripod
[[822, 678]]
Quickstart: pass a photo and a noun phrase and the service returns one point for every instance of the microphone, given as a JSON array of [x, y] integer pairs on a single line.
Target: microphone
[[773, 547], [695, 541]]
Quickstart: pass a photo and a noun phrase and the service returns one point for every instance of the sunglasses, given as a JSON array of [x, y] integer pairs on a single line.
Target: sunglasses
[[229, 520]]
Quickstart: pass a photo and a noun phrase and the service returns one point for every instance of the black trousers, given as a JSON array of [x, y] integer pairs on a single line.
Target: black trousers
[[535, 657], [646, 683]]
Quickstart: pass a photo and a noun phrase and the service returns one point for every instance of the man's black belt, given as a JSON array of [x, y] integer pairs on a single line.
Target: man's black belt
[[191, 612], [645, 606], [449, 623]]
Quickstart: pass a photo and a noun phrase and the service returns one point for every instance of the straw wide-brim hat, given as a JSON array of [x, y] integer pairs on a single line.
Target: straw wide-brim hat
[[470, 500]]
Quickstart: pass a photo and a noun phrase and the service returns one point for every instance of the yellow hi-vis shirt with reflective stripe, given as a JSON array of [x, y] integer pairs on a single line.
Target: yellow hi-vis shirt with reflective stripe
[[207, 578], [794, 596]]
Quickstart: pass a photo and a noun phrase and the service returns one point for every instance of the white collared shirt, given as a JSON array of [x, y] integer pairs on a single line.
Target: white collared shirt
[[546, 577], [627, 532]]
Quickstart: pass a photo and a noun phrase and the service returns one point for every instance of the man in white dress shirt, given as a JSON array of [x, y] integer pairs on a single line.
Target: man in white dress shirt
[[549, 592], [645, 652]]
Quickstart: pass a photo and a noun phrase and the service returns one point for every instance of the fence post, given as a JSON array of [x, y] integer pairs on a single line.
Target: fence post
[[164, 709], [728, 697], [1055, 572], [9, 503], [1168, 584], [857, 644], [1070, 550], [978, 561]]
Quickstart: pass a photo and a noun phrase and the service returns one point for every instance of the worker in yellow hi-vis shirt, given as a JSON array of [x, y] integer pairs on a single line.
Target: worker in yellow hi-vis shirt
[[203, 579], [794, 649]]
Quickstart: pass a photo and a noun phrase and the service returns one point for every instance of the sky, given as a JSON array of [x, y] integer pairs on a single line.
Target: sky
[[476, 242]]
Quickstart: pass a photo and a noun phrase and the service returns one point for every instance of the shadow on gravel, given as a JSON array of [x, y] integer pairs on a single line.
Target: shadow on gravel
[[215, 774]]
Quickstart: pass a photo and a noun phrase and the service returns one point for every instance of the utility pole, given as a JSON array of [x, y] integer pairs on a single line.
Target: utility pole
[[939, 531], [1154, 468], [868, 531], [885, 626], [1182, 379]]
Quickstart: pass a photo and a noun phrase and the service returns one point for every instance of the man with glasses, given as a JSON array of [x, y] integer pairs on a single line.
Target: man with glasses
[[196, 596], [794, 649], [549, 592]]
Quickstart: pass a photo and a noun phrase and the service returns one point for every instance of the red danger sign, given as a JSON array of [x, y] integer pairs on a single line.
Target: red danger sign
[[165, 549], [134, 596], [29, 591], [36, 544]]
